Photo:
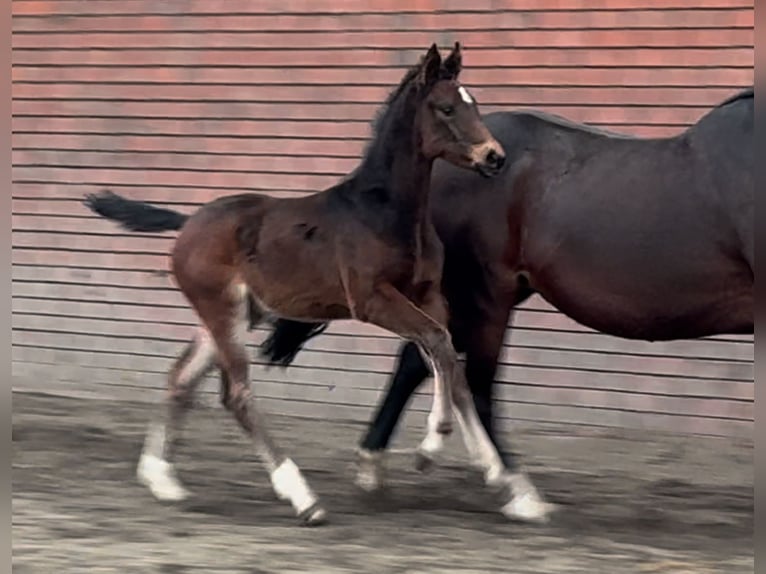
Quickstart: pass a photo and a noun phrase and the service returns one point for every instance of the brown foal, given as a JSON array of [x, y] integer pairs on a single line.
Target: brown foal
[[364, 249]]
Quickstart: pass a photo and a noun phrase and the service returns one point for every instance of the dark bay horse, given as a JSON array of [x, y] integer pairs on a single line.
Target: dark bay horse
[[364, 249], [639, 238]]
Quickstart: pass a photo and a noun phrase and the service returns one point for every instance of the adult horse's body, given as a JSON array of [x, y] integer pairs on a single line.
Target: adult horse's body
[[363, 249], [640, 238]]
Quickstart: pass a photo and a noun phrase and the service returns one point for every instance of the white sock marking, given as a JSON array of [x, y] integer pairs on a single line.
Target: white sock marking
[[154, 471], [526, 503], [289, 484], [158, 475], [434, 441]]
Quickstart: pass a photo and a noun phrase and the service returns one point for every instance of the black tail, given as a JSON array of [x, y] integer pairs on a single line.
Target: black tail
[[134, 215], [287, 339]]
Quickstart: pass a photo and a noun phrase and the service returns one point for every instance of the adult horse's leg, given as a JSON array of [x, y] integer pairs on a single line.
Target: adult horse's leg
[[390, 309], [155, 468], [483, 344], [227, 318], [482, 339], [411, 371]]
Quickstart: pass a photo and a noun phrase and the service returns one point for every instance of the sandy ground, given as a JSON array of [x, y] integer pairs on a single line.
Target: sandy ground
[[630, 503]]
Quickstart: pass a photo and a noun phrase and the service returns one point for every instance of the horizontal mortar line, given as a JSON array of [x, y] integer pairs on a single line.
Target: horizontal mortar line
[[510, 346], [181, 152], [555, 330], [556, 86], [396, 30], [440, 11], [201, 117], [234, 136], [400, 48], [184, 169], [230, 136], [540, 366], [393, 66], [148, 186], [91, 251], [573, 104]]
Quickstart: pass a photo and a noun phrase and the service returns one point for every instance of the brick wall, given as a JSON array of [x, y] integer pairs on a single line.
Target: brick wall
[[181, 101]]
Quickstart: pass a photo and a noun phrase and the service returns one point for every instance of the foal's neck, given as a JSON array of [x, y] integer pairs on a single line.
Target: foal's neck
[[397, 163]]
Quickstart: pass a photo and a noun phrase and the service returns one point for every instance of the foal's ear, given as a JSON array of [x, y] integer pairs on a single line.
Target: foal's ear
[[430, 66], [454, 62]]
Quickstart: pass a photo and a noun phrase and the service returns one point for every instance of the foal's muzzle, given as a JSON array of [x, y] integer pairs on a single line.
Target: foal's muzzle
[[488, 157], [490, 160]]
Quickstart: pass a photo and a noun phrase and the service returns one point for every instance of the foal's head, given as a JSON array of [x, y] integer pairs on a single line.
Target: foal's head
[[449, 121]]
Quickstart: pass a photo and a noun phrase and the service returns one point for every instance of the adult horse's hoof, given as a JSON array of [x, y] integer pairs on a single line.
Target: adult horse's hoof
[[370, 473], [314, 515]]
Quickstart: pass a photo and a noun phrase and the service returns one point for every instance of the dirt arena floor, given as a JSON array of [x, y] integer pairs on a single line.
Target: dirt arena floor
[[629, 503]]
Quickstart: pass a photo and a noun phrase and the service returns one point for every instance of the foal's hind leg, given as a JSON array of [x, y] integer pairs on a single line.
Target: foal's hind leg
[[155, 469], [228, 325]]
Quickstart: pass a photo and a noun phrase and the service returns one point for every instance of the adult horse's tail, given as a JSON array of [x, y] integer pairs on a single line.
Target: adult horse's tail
[[134, 215], [287, 339]]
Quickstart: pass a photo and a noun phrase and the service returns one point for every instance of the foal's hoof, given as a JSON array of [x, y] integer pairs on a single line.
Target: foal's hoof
[[159, 477], [532, 511], [423, 461], [314, 515]]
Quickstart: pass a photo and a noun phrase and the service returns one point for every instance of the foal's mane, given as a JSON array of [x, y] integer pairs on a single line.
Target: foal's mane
[[388, 111]]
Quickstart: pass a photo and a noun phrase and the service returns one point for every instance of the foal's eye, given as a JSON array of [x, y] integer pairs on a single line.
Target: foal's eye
[[447, 110]]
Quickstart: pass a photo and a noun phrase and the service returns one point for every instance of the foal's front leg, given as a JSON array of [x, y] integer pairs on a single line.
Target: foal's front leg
[[391, 310]]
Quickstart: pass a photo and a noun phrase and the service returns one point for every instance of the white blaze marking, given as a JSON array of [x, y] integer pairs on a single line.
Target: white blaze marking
[[465, 95]]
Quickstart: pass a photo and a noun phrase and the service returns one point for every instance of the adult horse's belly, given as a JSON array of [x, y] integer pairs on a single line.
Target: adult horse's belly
[[652, 277]]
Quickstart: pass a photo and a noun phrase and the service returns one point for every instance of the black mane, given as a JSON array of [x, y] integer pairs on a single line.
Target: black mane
[[386, 116]]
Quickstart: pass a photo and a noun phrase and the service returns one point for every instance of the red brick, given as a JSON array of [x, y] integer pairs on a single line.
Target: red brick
[[277, 163], [491, 57], [508, 96], [61, 7], [600, 61], [100, 177], [669, 38], [509, 20], [388, 77]]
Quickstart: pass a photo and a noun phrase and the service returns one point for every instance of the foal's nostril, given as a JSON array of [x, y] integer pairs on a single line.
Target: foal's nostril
[[494, 159]]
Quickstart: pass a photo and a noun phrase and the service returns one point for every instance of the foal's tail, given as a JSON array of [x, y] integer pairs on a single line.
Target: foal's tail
[[287, 339], [134, 215]]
